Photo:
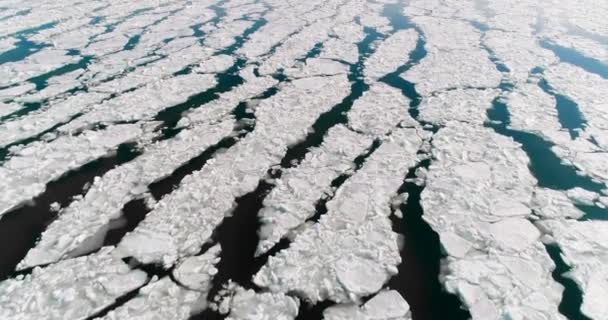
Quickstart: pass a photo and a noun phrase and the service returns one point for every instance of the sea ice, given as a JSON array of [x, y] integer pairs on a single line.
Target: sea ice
[[27, 172], [352, 251], [71, 289]]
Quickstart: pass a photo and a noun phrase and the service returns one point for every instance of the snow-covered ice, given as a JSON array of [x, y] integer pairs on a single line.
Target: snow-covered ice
[[29, 169], [71, 289], [352, 251]]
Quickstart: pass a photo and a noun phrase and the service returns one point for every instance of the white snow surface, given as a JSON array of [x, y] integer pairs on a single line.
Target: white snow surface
[[81, 78], [293, 199], [71, 289], [176, 227], [386, 305], [25, 175], [246, 304], [352, 251], [584, 247], [496, 262], [88, 219], [159, 300]]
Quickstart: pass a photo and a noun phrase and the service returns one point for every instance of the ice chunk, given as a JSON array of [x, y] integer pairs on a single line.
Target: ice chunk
[[247, 304], [379, 110], [162, 299], [390, 54], [71, 289]]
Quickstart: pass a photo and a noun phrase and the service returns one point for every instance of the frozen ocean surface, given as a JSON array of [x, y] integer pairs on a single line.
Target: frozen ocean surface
[[276, 160]]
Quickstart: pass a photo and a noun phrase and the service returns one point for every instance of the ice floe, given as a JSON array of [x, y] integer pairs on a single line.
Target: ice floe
[[496, 262], [245, 304], [466, 105], [88, 218], [379, 110], [29, 169], [168, 233], [386, 305], [352, 251], [584, 247], [160, 299], [293, 199], [72, 289]]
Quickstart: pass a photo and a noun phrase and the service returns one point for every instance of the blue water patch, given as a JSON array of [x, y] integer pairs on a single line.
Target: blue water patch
[[568, 113], [96, 20], [41, 81], [574, 57], [545, 165], [133, 41]]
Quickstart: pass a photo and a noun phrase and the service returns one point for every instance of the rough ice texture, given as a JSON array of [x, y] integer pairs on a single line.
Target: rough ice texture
[[477, 199], [293, 199], [379, 110], [582, 87], [218, 108], [196, 272], [441, 70], [159, 300], [352, 251], [317, 67], [465, 105], [386, 305], [71, 289], [28, 171], [176, 227], [144, 103], [55, 113], [584, 246], [390, 54], [88, 218], [246, 304]]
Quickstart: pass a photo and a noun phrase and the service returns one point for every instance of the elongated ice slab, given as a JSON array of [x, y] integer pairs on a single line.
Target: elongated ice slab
[[162, 299], [28, 171], [71, 289], [293, 199], [247, 304], [386, 305], [176, 227], [584, 246], [477, 198], [352, 251], [390, 54], [91, 215]]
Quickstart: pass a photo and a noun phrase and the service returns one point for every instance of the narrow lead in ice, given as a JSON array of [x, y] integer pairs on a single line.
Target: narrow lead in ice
[[144, 103], [28, 171], [584, 246], [352, 251], [159, 300], [390, 54], [176, 227], [478, 199], [88, 218], [71, 289], [55, 113], [293, 200]]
